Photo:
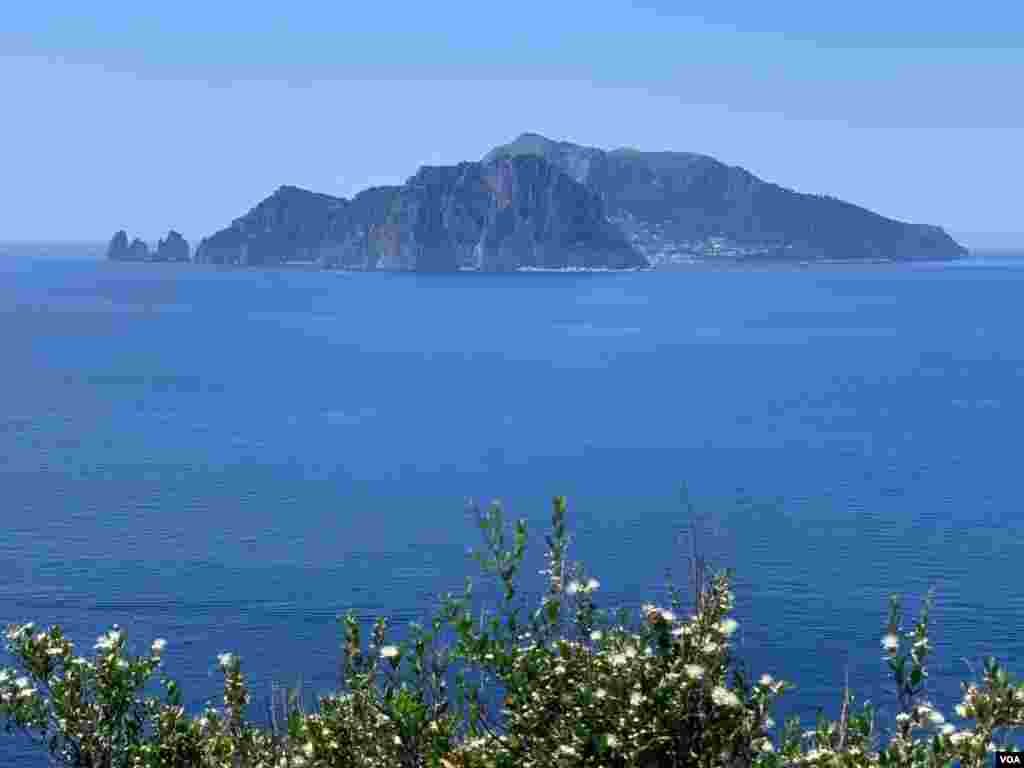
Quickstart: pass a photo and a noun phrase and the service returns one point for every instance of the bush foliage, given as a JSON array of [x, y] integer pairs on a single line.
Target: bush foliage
[[581, 688]]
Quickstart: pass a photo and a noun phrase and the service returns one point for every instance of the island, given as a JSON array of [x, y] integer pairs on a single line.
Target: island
[[536, 203]]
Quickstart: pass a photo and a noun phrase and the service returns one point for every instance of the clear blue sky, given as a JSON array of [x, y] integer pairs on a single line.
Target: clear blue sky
[[113, 116]]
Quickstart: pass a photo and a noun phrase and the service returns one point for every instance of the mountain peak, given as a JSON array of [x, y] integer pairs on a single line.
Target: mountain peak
[[571, 158], [526, 144], [531, 136]]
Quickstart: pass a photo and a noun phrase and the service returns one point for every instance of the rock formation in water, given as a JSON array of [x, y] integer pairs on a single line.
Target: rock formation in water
[[500, 215], [138, 251], [118, 248], [678, 202], [174, 247]]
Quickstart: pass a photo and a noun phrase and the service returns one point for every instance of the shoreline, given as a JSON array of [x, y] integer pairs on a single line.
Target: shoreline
[[706, 264]]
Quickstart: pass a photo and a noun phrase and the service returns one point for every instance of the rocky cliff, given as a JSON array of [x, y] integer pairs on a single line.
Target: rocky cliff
[[500, 215], [677, 202], [290, 225]]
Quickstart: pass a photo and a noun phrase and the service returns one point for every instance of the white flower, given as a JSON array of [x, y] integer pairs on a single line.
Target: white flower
[[565, 749], [630, 652], [694, 671], [389, 651], [766, 680], [158, 646], [612, 741], [728, 626], [635, 698], [600, 693], [14, 632], [723, 697], [891, 642], [225, 660], [618, 659], [108, 641], [902, 717], [573, 587], [596, 635], [560, 669]]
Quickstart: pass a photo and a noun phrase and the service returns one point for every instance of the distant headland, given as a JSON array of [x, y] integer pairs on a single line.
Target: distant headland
[[542, 204]]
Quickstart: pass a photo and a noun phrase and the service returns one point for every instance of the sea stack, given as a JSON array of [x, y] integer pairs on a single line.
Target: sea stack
[[174, 247], [138, 251], [118, 248]]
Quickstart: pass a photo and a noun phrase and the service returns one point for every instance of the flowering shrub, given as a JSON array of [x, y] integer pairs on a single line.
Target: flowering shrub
[[580, 689]]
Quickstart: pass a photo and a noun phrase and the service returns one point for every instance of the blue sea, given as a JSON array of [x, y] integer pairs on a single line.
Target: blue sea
[[232, 458]]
